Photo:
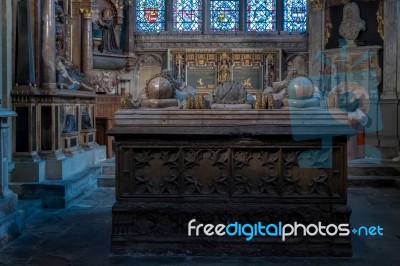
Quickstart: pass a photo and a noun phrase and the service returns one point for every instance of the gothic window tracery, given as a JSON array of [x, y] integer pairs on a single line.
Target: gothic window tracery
[[261, 15], [222, 15], [187, 15], [295, 15], [150, 15]]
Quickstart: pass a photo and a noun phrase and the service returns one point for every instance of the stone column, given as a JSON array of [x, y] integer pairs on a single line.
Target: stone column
[[390, 56], [316, 36], [130, 35], [388, 136], [12, 219], [7, 64], [48, 80], [24, 65], [398, 76], [5, 192], [87, 43]]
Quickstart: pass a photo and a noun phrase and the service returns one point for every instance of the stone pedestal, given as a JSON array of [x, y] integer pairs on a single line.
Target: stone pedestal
[[221, 167], [54, 144], [87, 138], [70, 142], [11, 219], [356, 71]]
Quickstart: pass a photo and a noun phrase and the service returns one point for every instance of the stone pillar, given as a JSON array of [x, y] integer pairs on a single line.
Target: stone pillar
[[390, 49], [7, 66], [48, 80], [24, 65], [5, 192], [388, 136], [316, 36], [130, 29], [87, 42], [12, 219], [398, 75]]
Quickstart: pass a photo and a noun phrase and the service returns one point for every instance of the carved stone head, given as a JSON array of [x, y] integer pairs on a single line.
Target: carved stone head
[[352, 23]]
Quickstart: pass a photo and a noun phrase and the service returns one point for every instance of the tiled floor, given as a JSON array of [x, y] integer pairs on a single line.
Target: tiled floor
[[80, 235]]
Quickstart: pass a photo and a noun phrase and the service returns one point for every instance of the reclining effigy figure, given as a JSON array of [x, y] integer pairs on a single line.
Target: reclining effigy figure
[[163, 91], [230, 95], [70, 78], [296, 90]]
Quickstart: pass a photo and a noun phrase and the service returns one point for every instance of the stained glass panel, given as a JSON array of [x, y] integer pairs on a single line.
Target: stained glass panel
[[224, 15], [261, 15], [150, 15], [187, 15], [295, 15]]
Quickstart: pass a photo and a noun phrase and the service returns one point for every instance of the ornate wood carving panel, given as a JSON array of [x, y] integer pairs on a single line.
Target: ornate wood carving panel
[[256, 172], [205, 172], [262, 172]]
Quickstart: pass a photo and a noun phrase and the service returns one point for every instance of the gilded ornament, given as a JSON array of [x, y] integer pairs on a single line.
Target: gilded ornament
[[379, 19], [87, 12]]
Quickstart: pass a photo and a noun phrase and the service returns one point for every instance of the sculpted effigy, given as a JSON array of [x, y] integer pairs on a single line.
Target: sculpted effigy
[[351, 24], [107, 25], [296, 90], [68, 77], [164, 91], [60, 20]]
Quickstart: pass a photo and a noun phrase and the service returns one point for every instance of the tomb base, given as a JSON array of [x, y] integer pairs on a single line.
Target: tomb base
[[58, 182], [223, 167]]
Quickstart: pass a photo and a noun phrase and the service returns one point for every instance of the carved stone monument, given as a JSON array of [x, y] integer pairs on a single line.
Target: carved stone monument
[[351, 24], [227, 166]]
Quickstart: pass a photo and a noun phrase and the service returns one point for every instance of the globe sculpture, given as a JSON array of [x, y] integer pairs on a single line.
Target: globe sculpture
[[159, 88], [300, 88]]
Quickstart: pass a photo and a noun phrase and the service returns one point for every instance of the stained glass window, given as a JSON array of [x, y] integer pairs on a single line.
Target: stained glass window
[[187, 15], [295, 15], [261, 15], [150, 15], [224, 15]]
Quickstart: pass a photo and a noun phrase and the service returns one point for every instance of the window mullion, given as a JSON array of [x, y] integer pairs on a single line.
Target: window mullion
[[279, 15], [242, 14], [206, 16], [168, 15]]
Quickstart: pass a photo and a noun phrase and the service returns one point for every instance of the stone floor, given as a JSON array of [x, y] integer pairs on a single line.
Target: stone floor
[[80, 235]]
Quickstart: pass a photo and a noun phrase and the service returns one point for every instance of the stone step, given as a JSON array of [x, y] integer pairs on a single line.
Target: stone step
[[107, 177], [108, 169], [372, 181], [106, 181], [29, 206], [58, 193], [367, 172], [373, 171]]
